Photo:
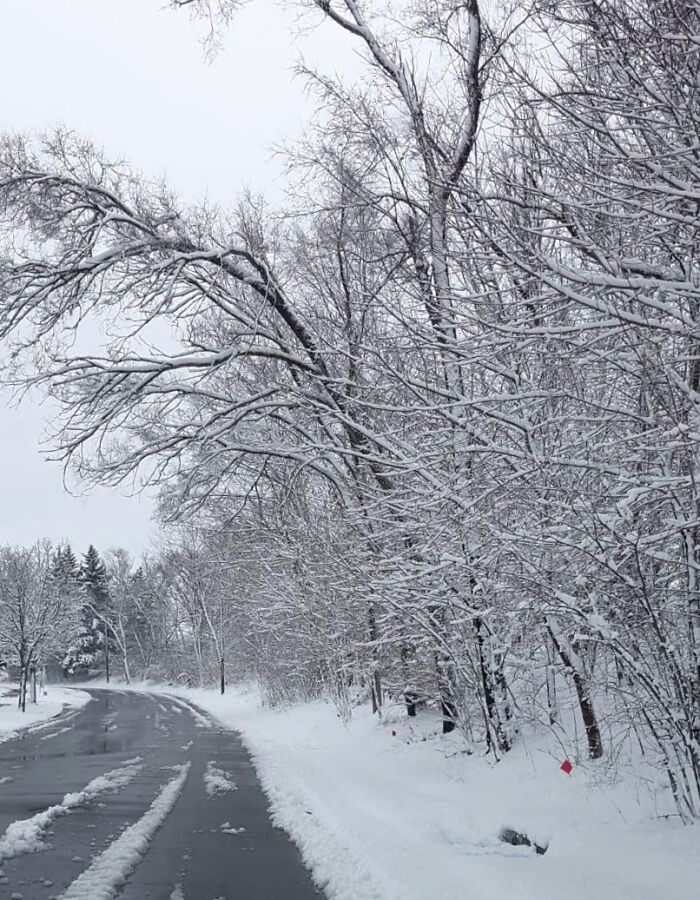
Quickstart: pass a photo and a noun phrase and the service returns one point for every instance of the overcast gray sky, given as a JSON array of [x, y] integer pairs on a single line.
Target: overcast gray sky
[[131, 75]]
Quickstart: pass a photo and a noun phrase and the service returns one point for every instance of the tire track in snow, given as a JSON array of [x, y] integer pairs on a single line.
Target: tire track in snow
[[201, 720], [48, 737], [25, 835], [110, 870]]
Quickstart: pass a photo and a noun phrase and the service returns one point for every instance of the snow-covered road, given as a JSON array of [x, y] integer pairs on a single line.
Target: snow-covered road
[[142, 797]]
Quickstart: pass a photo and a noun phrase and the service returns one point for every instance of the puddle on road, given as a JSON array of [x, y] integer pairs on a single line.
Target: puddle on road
[[33, 757], [97, 730], [100, 746]]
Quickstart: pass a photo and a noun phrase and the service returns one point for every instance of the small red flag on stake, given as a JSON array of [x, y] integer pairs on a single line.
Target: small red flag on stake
[[566, 767]]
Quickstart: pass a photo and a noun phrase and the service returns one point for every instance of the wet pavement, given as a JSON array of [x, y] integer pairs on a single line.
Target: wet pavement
[[216, 845]]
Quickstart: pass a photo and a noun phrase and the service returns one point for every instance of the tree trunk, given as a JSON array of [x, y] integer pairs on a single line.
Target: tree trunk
[[573, 664], [449, 714], [22, 700], [692, 564], [376, 685], [222, 674], [409, 694], [590, 722], [410, 698], [377, 698], [448, 704], [491, 683], [552, 705]]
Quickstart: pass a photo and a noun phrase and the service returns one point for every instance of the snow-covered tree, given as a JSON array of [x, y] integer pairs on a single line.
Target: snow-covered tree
[[37, 616], [433, 430], [94, 643]]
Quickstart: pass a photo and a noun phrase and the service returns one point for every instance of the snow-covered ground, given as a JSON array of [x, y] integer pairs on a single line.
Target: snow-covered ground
[[53, 702], [396, 810]]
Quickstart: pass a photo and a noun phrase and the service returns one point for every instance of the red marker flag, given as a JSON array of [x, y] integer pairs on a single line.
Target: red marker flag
[[566, 767]]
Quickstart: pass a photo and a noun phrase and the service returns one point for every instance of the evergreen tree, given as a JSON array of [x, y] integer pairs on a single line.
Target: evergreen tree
[[93, 577], [66, 577], [94, 643], [65, 571]]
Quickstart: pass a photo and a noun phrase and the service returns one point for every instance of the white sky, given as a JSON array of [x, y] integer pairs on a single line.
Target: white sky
[[131, 75]]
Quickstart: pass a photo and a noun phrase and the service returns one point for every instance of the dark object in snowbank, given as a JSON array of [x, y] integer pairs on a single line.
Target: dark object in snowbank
[[518, 839]]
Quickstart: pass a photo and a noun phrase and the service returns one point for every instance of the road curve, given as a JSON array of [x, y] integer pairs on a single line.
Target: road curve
[[140, 797]]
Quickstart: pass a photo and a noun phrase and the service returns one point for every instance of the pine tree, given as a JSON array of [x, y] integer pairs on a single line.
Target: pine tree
[[66, 577], [65, 569], [93, 576], [91, 646], [94, 581]]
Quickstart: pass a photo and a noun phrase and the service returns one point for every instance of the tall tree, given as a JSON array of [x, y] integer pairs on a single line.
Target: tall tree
[[98, 641], [36, 616]]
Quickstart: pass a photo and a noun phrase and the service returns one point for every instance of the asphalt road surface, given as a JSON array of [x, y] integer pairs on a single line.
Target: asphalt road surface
[[140, 797]]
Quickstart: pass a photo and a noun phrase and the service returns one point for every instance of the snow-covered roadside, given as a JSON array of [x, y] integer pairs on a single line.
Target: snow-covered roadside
[[57, 700], [381, 813]]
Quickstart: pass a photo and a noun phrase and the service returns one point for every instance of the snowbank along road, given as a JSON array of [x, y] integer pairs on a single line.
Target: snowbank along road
[[140, 797]]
